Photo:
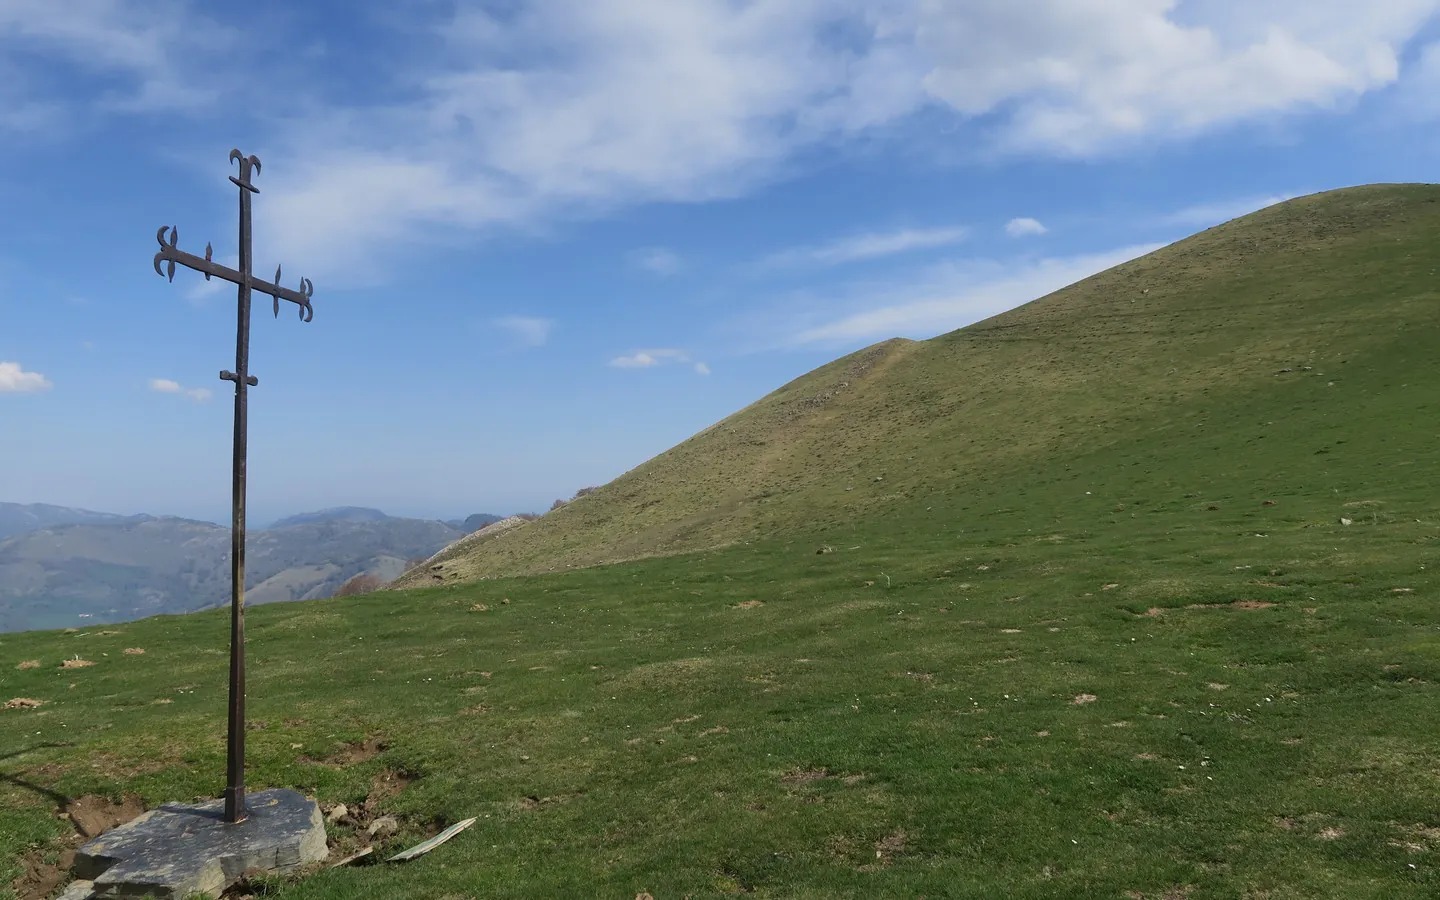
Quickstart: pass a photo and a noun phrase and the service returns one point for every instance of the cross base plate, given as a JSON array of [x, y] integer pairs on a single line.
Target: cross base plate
[[178, 851]]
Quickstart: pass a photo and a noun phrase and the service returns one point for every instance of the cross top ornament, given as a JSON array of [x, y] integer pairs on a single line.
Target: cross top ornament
[[246, 283]]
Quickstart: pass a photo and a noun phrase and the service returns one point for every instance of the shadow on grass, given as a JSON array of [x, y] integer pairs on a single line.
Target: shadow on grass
[[62, 800]]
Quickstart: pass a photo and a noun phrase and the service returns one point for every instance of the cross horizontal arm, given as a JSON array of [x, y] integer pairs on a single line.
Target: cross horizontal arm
[[172, 254], [199, 264], [300, 298]]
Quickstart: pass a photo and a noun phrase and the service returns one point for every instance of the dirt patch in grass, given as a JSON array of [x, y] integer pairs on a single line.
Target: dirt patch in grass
[[665, 674], [38, 879], [1233, 604], [1175, 892], [76, 662], [386, 785], [23, 703], [353, 753], [749, 604], [1417, 838], [118, 768], [94, 815], [29, 664], [886, 849], [803, 776], [1082, 699], [1155, 612], [532, 802]]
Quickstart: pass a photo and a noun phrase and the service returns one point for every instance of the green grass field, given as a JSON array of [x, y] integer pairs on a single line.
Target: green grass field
[[1097, 630]]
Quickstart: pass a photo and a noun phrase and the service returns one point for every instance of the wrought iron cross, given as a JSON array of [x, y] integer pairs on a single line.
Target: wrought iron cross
[[235, 746]]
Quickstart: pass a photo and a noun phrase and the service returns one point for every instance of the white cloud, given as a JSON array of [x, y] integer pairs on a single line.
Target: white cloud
[[147, 55], [1024, 227], [1214, 213], [644, 359], [591, 106], [955, 295], [531, 331], [15, 380], [702, 369], [167, 386], [1418, 96], [558, 109], [865, 246], [1083, 78], [657, 260]]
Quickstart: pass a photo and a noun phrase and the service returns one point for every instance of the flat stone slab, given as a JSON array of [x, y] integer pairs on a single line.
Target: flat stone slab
[[178, 850]]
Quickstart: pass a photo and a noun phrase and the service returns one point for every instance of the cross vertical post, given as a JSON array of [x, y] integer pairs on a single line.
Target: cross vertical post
[[245, 282]]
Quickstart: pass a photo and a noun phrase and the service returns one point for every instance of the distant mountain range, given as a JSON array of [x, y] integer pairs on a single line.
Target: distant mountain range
[[62, 567], [17, 518]]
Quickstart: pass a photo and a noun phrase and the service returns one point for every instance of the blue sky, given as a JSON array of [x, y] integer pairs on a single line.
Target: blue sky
[[552, 238]]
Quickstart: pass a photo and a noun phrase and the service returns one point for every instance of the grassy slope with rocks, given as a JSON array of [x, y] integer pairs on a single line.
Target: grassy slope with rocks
[[1335, 281], [1103, 636]]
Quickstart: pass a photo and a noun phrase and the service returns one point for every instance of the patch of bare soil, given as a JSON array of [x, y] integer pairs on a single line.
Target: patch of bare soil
[[38, 879], [386, 784], [76, 662], [533, 802], [353, 753], [23, 703], [1082, 699], [1177, 892], [803, 776], [1417, 838], [1155, 612], [1233, 604], [749, 604], [94, 815], [29, 664], [886, 849]]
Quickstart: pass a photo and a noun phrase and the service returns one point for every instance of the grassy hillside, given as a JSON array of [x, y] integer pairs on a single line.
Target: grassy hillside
[[1168, 367], [1098, 630]]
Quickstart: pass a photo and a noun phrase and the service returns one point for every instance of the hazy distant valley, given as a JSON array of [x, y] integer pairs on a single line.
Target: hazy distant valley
[[63, 567]]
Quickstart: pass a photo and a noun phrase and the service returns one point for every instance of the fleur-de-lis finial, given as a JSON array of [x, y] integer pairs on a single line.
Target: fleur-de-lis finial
[[247, 163]]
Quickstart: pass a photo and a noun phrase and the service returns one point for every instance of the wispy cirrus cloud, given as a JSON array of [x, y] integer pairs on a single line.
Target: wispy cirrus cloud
[[597, 106], [648, 359], [1217, 212], [657, 260], [949, 296], [611, 103], [860, 247], [167, 386], [131, 57], [15, 380], [531, 331], [1024, 227]]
